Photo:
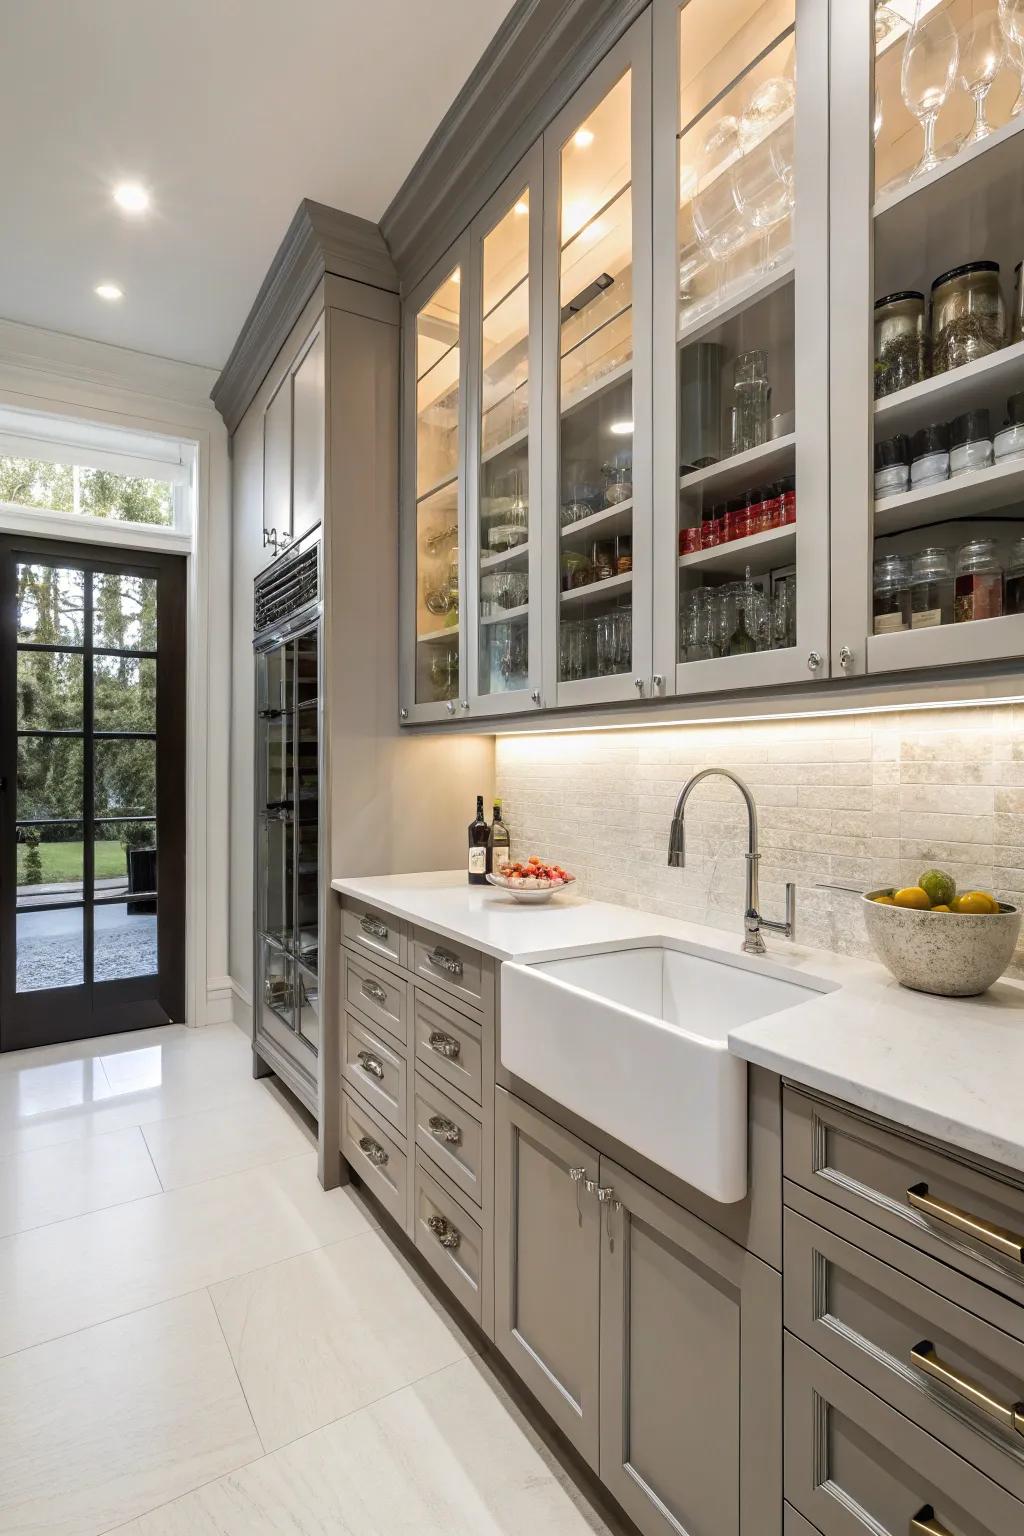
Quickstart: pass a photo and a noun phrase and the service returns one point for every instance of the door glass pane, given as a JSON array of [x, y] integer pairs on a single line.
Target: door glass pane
[[49, 863], [124, 940], [124, 612], [596, 392], [125, 773], [124, 854], [277, 971], [275, 896], [49, 950], [437, 506], [306, 670], [274, 680], [124, 693], [307, 810], [49, 777], [948, 222], [49, 691], [309, 1006], [735, 328], [504, 458], [51, 604]]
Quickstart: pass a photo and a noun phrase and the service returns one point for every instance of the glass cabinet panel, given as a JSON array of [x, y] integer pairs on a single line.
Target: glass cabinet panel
[[438, 374]]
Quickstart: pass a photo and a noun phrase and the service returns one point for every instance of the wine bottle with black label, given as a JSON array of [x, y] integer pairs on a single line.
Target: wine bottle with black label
[[499, 843], [478, 834]]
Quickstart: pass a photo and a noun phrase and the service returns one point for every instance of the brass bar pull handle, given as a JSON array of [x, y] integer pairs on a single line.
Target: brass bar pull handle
[[448, 1236], [1009, 1244], [373, 926], [375, 992], [444, 1129], [924, 1523], [445, 961], [1010, 1415], [371, 1065], [444, 1045], [373, 1150]]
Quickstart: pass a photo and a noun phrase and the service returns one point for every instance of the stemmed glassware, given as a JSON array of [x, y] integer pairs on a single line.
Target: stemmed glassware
[[930, 59], [1011, 18], [763, 187], [982, 52], [718, 223]]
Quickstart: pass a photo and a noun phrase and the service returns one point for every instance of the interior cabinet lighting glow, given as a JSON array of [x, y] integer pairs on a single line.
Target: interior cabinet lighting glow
[[583, 138], [109, 291], [132, 197]]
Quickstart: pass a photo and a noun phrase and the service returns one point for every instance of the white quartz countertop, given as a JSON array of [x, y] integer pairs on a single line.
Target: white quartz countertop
[[952, 1068]]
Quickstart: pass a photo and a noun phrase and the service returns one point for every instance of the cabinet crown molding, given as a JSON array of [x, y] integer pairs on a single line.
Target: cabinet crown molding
[[319, 241]]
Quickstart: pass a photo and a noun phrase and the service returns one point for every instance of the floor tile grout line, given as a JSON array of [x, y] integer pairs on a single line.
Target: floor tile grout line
[[234, 1367], [152, 1159]]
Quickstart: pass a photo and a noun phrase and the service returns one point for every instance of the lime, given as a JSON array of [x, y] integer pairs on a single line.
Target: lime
[[941, 888], [912, 896]]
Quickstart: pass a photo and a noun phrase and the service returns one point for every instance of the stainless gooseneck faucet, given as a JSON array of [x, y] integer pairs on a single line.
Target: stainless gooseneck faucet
[[753, 922]]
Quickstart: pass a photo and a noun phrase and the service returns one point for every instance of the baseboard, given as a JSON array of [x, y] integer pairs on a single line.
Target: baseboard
[[241, 1011]]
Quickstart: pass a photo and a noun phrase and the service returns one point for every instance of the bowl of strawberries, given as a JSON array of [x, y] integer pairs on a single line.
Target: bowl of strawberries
[[532, 880]]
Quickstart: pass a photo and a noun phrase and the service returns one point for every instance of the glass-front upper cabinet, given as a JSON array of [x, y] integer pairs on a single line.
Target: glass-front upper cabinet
[[928, 135], [503, 537], [433, 492], [597, 407], [741, 342]]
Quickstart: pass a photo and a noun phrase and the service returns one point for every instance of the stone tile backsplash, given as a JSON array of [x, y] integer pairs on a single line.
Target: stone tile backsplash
[[868, 799]]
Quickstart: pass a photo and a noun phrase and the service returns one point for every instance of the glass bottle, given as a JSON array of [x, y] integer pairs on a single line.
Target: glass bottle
[[741, 642], [891, 595], [979, 582], [931, 588], [478, 833], [752, 398], [499, 843]]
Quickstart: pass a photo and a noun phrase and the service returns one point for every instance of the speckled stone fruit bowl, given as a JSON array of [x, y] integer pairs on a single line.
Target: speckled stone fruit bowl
[[951, 954]]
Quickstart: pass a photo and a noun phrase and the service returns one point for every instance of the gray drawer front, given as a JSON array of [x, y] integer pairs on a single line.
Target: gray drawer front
[[373, 991], [379, 1161], [449, 1136], [794, 1524], [455, 967], [449, 1239], [871, 1320], [448, 1044], [871, 1171], [375, 1070], [855, 1467], [367, 928]]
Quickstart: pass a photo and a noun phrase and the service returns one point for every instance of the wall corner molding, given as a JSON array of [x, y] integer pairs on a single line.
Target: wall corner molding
[[319, 241]]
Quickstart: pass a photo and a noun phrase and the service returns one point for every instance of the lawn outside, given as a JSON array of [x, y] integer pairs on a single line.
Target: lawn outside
[[63, 861]]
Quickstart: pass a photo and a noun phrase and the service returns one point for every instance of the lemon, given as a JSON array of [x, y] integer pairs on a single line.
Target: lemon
[[912, 896], [942, 907], [976, 903], [941, 888], [883, 901]]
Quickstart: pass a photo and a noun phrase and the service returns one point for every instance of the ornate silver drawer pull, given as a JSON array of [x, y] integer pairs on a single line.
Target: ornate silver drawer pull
[[375, 992], [924, 1523], [373, 1150], [373, 926], [370, 1064], [445, 1130], [445, 961], [444, 1044], [1009, 1244], [448, 1236], [1010, 1415]]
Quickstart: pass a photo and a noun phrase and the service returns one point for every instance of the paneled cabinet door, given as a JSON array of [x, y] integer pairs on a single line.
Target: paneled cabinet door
[[597, 383], [277, 463], [741, 359], [435, 324], [547, 1266], [309, 408], [503, 476], [691, 1370]]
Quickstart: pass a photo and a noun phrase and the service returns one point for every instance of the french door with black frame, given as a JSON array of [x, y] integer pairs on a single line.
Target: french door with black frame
[[92, 808]]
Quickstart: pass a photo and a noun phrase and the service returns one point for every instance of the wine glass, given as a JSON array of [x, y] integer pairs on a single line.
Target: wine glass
[[930, 58], [768, 105], [982, 53], [763, 187], [717, 221], [1011, 18]]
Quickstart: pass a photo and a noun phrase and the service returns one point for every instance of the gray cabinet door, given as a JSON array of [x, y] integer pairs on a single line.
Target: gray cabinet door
[[691, 1370], [547, 1266], [277, 461], [309, 413]]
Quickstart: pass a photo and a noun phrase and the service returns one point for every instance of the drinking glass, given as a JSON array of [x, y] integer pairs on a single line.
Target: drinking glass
[[930, 57], [982, 54], [765, 110], [763, 188], [1011, 19], [717, 221]]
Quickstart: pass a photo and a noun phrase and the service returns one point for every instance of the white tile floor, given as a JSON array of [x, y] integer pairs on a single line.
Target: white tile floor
[[196, 1340]]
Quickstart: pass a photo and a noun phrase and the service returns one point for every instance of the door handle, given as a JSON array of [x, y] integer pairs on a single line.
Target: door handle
[[924, 1523], [1010, 1415], [370, 1064], [444, 1045], [1009, 1244], [445, 1130]]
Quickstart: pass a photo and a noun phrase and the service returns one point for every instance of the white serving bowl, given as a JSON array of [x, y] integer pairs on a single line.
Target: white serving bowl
[[529, 893], [952, 954]]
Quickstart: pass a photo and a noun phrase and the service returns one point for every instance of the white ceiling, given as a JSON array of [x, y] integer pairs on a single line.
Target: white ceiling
[[230, 112]]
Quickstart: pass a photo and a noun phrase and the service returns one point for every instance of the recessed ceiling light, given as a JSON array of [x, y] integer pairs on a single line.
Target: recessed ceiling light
[[132, 197], [583, 138], [109, 291], [621, 428]]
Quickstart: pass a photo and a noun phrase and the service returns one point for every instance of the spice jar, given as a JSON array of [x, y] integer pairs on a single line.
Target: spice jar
[[931, 588], [787, 491], [623, 554], [970, 442], [1015, 578], [901, 342], [892, 466], [712, 520], [979, 582], [968, 318], [929, 455], [689, 541], [891, 597], [1009, 441]]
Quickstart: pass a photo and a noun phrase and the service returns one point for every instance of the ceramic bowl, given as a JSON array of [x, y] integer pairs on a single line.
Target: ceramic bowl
[[950, 954], [529, 894]]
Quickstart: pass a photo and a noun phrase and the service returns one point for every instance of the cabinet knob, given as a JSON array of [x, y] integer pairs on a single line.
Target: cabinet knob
[[535, 695], [814, 660], [450, 706], [657, 683], [845, 658], [465, 703], [638, 684], [403, 713]]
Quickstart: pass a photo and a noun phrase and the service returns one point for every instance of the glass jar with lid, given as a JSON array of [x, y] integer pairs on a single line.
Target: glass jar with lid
[[901, 342], [979, 582], [891, 595], [1015, 578], [892, 466], [931, 588], [968, 315], [1009, 440]]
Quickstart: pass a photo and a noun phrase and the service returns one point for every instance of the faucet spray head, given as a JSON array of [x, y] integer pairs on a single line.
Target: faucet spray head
[[677, 844]]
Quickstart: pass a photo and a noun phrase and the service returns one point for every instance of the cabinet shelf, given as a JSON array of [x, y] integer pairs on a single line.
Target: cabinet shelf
[[608, 523], [433, 635], [505, 446], [981, 491], [506, 558], [950, 394], [599, 387], [987, 161], [597, 591], [506, 616], [438, 486], [745, 295], [761, 551], [948, 645], [744, 470]]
